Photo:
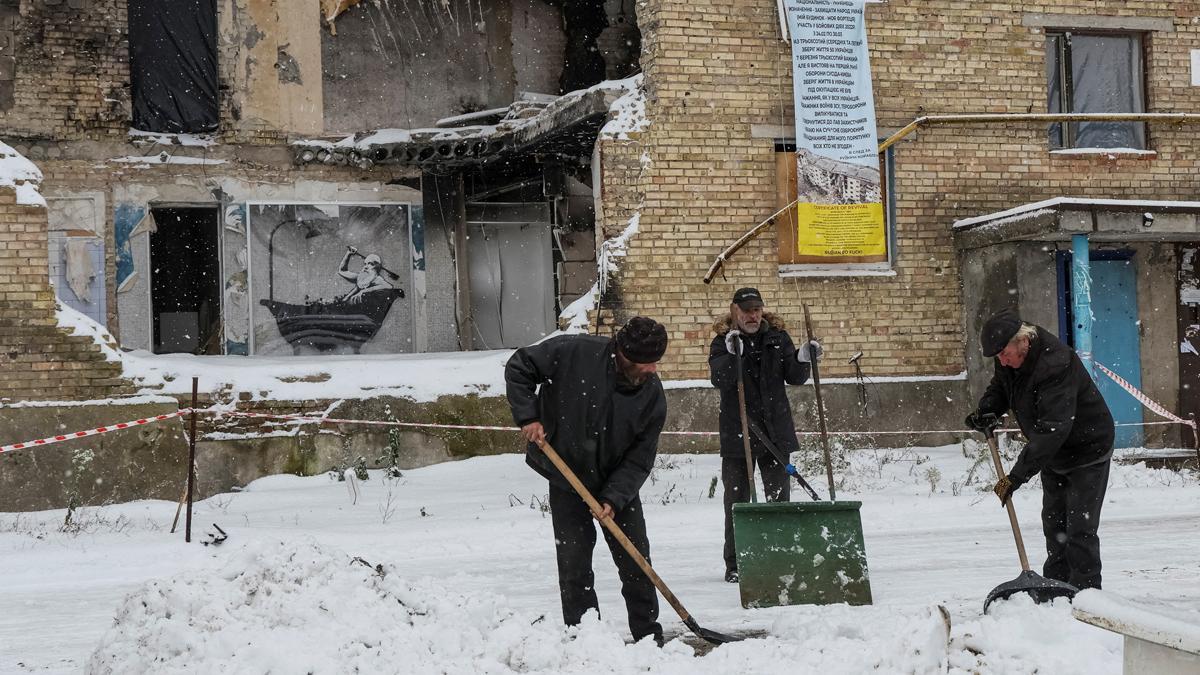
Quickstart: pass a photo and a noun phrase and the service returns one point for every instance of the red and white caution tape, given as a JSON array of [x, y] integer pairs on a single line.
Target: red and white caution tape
[[1144, 399], [93, 432], [311, 419]]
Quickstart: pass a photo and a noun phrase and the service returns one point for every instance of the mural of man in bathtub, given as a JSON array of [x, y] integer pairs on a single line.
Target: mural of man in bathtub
[[369, 278]]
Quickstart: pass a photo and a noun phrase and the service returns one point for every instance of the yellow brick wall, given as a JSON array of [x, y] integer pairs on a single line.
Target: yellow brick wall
[[713, 68], [38, 361]]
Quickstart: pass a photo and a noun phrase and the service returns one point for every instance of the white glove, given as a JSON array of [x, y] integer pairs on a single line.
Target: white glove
[[733, 342], [806, 350]]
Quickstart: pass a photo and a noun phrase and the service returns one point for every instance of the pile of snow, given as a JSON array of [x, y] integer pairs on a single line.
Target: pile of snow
[[305, 608], [21, 174], [78, 323], [420, 377], [1017, 636], [302, 608]]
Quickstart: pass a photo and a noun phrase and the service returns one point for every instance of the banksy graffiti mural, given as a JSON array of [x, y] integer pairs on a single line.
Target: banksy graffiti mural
[[330, 278]]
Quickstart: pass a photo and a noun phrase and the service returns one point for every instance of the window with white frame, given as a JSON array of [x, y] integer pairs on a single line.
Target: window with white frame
[[1095, 73]]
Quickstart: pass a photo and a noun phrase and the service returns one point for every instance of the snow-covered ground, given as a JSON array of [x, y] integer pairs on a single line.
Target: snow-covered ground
[[456, 574]]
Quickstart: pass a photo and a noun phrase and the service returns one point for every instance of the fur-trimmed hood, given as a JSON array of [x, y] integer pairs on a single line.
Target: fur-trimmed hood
[[722, 324]]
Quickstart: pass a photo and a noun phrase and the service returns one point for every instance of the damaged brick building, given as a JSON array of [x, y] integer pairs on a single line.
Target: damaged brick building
[[446, 159]]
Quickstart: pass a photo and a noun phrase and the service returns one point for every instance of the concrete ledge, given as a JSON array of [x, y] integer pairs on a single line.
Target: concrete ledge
[[1096, 22], [1154, 642], [146, 462]]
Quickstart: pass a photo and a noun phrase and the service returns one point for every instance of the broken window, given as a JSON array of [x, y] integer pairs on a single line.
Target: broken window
[[173, 65], [1095, 73]]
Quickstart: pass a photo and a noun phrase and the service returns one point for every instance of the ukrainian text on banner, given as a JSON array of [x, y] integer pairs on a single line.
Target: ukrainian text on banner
[[840, 215]]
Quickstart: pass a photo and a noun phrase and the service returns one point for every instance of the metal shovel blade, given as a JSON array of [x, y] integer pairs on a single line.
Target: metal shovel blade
[[1033, 584], [710, 636]]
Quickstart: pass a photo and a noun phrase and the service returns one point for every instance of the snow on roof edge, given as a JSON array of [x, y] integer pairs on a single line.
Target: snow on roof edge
[[1072, 201]]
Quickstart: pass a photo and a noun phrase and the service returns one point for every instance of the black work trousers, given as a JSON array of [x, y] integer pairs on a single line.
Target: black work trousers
[[574, 541], [736, 485], [1071, 504]]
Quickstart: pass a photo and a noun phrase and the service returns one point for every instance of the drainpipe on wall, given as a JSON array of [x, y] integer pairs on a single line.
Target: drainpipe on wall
[[1081, 300]]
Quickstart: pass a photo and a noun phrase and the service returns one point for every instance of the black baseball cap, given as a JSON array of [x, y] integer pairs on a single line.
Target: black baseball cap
[[748, 298]]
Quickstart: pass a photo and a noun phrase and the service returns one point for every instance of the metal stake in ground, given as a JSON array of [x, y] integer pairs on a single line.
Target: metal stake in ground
[[741, 385], [816, 376], [191, 467], [1028, 581], [708, 635]]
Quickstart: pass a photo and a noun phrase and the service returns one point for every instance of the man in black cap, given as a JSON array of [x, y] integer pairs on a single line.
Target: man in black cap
[[602, 407], [769, 361], [1070, 439]]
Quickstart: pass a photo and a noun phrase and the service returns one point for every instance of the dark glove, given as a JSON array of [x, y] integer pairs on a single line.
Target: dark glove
[[982, 422], [808, 350], [1004, 489], [733, 342]]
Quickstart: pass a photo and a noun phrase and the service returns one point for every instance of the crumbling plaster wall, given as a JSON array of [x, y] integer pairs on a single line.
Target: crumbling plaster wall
[[406, 65], [270, 55]]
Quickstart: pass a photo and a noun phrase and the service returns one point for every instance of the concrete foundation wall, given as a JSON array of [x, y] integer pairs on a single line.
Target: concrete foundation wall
[[244, 453], [145, 462]]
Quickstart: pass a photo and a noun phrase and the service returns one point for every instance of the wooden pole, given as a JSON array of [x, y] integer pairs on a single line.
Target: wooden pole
[[741, 387], [816, 375], [1012, 514], [462, 268], [179, 508], [191, 481]]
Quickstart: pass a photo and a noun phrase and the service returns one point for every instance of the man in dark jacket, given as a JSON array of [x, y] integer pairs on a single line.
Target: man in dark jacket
[[769, 360], [602, 407], [1070, 439]]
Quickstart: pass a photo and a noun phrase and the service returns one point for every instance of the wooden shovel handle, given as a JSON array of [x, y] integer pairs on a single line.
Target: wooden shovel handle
[[612, 527], [1012, 514], [741, 391]]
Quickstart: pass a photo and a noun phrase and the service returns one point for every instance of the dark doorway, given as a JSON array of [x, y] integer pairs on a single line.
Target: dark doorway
[[185, 289]]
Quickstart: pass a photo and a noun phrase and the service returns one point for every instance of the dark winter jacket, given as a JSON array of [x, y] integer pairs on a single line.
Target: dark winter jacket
[[768, 362], [605, 429], [1057, 406]]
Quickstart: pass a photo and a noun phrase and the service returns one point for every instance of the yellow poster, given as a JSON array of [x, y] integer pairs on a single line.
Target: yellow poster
[[840, 232]]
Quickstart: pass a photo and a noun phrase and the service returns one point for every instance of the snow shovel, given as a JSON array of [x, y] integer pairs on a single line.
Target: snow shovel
[[704, 633], [1029, 582], [741, 386]]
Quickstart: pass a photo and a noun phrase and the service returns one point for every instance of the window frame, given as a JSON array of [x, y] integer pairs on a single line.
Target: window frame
[[785, 223], [1063, 52]]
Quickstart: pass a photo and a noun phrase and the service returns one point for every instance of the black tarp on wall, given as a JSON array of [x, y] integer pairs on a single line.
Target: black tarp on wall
[[173, 65]]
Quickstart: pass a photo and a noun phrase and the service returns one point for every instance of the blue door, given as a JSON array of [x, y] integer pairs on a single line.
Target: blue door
[[1116, 334], [1116, 340]]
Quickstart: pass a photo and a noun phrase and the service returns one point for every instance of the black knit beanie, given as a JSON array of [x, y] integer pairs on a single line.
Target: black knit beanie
[[642, 340]]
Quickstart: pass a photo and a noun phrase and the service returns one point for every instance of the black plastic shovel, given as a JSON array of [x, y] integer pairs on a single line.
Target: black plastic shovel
[[1029, 582], [709, 635]]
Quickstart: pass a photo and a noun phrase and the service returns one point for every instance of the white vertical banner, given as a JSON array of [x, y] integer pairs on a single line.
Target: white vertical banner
[[840, 213]]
